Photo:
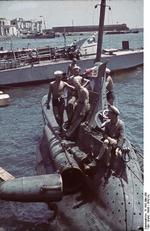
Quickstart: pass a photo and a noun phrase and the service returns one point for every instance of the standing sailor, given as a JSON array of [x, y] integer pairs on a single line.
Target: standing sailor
[[72, 95], [82, 106], [71, 66], [109, 87], [56, 90]]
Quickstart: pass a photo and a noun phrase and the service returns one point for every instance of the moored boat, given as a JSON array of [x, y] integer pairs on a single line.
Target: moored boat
[[122, 32], [43, 71], [26, 66], [4, 99]]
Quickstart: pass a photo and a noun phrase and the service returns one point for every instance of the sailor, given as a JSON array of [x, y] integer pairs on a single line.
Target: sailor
[[109, 87], [56, 90], [83, 98], [81, 107], [70, 71], [76, 77], [72, 95], [113, 133], [64, 76]]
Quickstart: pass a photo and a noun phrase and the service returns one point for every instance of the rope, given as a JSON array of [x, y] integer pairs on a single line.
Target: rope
[[135, 161], [135, 174], [137, 151]]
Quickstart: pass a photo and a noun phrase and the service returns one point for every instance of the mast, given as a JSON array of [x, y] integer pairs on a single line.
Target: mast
[[64, 35], [100, 30], [98, 85]]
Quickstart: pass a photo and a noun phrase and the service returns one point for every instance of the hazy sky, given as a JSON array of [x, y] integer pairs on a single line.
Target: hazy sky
[[67, 12]]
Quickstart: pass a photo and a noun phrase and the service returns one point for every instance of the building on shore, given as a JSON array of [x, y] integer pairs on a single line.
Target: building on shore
[[34, 29], [7, 29], [19, 27], [26, 27]]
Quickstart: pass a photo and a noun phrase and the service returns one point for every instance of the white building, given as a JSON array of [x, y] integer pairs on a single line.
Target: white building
[[6, 29], [27, 26], [19, 26]]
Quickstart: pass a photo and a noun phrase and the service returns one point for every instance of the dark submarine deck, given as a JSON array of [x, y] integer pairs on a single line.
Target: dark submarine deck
[[115, 205]]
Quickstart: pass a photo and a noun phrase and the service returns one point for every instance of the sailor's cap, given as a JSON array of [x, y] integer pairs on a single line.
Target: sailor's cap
[[76, 67], [114, 110], [74, 59], [107, 70], [58, 73]]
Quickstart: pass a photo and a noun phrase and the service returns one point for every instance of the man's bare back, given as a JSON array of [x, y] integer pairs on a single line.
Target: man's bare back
[[57, 88]]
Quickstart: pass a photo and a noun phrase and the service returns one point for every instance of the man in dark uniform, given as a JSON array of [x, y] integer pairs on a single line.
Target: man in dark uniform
[[113, 136]]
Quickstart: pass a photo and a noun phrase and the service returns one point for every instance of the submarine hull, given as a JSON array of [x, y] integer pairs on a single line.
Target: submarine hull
[[63, 161], [43, 188], [112, 204]]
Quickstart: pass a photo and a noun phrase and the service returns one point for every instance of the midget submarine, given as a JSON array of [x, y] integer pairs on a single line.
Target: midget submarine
[[85, 200], [90, 201]]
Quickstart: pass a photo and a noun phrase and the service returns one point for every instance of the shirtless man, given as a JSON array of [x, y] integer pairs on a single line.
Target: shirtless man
[[72, 96], [56, 90], [109, 87]]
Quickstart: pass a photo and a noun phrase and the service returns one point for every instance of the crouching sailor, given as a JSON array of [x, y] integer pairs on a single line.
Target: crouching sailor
[[113, 138], [56, 90]]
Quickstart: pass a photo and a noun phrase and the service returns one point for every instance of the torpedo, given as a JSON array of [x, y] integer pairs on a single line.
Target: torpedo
[[43, 188]]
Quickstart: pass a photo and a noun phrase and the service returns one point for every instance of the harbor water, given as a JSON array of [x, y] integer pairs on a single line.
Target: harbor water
[[21, 130], [109, 41]]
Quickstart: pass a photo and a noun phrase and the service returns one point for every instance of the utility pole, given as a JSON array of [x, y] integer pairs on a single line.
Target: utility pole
[[100, 30]]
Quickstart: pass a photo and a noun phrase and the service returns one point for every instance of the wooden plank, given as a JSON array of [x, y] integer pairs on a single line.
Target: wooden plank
[[4, 175]]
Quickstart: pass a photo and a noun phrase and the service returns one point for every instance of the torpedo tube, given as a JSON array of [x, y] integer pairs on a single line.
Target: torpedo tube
[[64, 162], [43, 188]]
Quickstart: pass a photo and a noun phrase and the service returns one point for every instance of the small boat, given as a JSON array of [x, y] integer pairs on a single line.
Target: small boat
[[38, 36], [122, 32], [4, 99], [4, 175]]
